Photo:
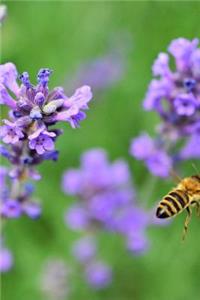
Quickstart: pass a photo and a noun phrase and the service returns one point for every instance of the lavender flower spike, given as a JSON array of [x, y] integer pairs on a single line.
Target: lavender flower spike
[[174, 95], [29, 138], [28, 134]]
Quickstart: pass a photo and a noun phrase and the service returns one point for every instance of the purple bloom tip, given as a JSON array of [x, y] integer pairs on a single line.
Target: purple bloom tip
[[43, 76], [24, 77]]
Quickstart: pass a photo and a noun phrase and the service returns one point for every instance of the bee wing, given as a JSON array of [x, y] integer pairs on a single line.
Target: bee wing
[[175, 176]]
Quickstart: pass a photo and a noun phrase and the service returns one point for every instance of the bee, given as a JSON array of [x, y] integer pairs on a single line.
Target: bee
[[183, 197]]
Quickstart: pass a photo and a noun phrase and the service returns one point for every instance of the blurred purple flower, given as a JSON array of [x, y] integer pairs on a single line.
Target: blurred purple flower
[[84, 249], [174, 95], [98, 275], [192, 147], [32, 209], [11, 209], [100, 73], [77, 218], [105, 70], [185, 105], [105, 200], [137, 243], [156, 159], [6, 260], [159, 164], [142, 147]]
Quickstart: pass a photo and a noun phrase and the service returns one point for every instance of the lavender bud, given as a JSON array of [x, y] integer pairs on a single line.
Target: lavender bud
[[24, 77], [39, 99], [43, 76]]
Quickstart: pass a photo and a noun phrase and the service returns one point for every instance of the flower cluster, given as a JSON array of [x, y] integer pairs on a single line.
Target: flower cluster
[[28, 134], [175, 96], [105, 200]]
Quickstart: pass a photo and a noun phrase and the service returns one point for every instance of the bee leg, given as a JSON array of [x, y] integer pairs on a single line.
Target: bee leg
[[187, 221], [197, 204], [198, 208]]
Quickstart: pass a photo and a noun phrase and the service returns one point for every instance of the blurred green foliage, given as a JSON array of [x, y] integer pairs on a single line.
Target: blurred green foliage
[[61, 35]]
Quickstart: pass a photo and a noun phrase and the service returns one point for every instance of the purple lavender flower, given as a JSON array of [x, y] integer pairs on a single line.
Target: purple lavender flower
[[142, 147], [174, 95], [11, 209], [84, 249], [10, 133], [105, 201], [179, 89], [191, 149], [77, 218], [183, 50], [98, 275], [156, 159], [3, 174], [74, 105], [35, 108], [8, 76], [6, 260], [185, 105], [29, 140], [41, 141], [71, 182], [159, 164], [27, 132], [137, 243], [106, 70], [32, 209]]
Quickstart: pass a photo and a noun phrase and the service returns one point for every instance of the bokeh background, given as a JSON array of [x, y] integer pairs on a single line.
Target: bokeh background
[[62, 35]]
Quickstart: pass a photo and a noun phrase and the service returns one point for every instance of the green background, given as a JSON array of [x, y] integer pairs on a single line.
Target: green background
[[61, 35]]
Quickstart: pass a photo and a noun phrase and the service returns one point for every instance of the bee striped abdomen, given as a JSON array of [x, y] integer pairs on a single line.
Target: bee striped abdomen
[[172, 204]]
